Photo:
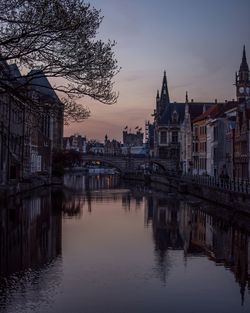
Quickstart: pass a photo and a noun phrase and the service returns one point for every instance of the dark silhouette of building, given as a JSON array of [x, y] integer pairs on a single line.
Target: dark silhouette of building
[[242, 130]]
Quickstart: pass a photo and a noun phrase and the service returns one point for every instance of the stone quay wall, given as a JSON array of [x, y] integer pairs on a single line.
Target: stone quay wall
[[235, 200]]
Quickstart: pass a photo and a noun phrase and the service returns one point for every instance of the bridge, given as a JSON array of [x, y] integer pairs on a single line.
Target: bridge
[[128, 163]]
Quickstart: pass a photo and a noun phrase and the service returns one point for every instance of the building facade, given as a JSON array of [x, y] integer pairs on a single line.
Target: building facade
[[172, 128], [112, 147], [29, 130], [132, 139], [76, 142], [242, 130]]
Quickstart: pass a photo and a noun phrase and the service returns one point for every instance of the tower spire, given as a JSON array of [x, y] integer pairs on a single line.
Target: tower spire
[[244, 66], [187, 97], [243, 79]]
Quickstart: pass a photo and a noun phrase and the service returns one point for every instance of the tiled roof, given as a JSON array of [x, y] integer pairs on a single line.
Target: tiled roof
[[217, 110], [211, 112]]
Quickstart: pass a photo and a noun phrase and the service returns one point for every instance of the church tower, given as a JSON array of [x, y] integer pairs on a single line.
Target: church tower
[[242, 80], [163, 101]]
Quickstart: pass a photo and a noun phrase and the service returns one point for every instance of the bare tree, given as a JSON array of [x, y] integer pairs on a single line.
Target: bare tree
[[57, 38]]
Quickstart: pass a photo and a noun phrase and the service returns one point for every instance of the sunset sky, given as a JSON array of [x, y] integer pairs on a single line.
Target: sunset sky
[[198, 42]]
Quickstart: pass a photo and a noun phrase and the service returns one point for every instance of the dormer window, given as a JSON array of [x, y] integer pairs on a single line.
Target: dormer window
[[175, 117]]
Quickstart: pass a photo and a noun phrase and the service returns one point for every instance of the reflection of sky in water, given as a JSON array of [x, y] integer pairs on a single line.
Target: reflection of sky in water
[[131, 253]]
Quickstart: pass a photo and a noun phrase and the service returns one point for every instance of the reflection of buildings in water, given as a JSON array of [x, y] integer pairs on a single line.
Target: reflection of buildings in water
[[223, 242], [130, 201], [138, 203], [164, 215], [30, 233], [83, 190], [75, 182], [178, 225], [79, 182], [97, 182], [126, 202], [80, 188], [166, 220]]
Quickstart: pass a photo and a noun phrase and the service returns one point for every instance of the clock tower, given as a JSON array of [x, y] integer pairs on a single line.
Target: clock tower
[[242, 80]]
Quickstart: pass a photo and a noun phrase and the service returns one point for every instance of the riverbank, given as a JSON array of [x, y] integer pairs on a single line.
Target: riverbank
[[235, 200]]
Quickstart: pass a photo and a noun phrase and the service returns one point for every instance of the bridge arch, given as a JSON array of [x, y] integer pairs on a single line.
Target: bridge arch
[[112, 163], [152, 162]]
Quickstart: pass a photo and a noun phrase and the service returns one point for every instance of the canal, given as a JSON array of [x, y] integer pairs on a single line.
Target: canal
[[102, 246]]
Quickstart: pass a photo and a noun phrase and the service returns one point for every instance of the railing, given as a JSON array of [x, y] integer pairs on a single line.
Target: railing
[[223, 183]]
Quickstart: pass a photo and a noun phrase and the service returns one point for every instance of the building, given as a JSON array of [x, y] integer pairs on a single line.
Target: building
[[76, 142], [95, 147], [30, 130], [44, 131], [230, 124], [219, 148], [12, 128], [186, 141], [171, 120], [242, 130], [112, 147], [133, 139], [200, 161], [149, 127]]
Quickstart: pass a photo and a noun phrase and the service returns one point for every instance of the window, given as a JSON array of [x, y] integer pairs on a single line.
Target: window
[[175, 137], [215, 133], [163, 137], [203, 147], [203, 130]]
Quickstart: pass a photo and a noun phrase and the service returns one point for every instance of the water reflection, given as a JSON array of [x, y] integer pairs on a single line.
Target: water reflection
[[30, 231], [180, 225], [89, 235], [30, 238]]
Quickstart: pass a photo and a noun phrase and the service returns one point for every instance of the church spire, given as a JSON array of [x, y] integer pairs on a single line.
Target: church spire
[[186, 106], [164, 90]]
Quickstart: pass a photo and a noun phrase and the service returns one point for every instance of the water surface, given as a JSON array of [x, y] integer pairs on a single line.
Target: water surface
[[102, 246]]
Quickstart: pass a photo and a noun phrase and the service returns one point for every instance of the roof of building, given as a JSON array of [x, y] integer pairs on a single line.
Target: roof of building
[[39, 82], [195, 109], [217, 110]]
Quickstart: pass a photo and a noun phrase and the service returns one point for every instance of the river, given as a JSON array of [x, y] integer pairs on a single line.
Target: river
[[104, 246]]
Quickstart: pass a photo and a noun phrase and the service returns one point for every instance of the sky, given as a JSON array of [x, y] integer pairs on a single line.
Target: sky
[[198, 42]]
